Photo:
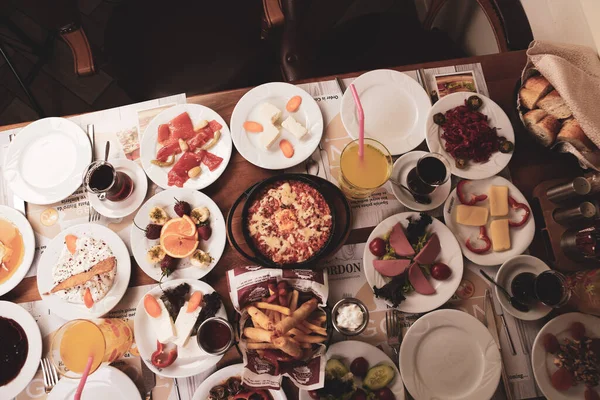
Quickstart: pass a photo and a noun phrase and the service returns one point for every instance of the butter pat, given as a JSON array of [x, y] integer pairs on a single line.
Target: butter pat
[[471, 215], [498, 201], [269, 135], [294, 127], [269, 113], [500, 235]]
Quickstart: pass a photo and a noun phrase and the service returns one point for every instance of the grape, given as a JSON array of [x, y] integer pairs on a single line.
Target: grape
[[385, 394], [440, 271], [577, 330], [313, 394], [551, 343], [359, 367], [377, 247], [562, 379], [359, 395]]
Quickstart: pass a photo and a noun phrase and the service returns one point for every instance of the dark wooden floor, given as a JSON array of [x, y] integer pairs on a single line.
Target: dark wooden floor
[[56, 87]]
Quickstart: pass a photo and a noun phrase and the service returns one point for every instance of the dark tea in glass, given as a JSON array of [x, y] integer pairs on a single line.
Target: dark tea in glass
[[431, 171], [102, 179]]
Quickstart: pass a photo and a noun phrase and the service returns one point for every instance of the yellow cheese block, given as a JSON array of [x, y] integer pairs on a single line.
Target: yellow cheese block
[[498, 201], [471, 215], [500, 235]]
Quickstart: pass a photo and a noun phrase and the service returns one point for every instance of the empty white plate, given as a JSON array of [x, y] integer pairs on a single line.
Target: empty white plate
[[448, 354], [45, 161], [395, 108], [22, 224], [123, 208], [34, 353], [497, 118], [278, 94], [106, 383]]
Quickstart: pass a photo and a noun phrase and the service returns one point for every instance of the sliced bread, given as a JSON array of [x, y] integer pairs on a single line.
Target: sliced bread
[[554, 105], [571, 132], [538, 84], [545, 130], [532, 117], [529, 97]]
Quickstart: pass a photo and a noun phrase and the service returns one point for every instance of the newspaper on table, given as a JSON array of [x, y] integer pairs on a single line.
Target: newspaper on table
[[130, 363], [347, 279], [123, 127], [251, 284], [325, 161]]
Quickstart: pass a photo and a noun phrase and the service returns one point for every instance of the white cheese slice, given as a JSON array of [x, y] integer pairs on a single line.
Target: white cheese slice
[[184, 323], [269, 135], [295, 127], [269, 113], [191, 350], [163, 324]]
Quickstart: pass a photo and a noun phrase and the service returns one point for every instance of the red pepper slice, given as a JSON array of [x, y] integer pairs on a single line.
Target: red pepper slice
[[162, 359], [515, 205], [461, 196], [482, 236]]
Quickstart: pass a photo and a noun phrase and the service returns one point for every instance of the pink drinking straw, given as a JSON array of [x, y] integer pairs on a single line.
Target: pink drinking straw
[[84, 377], [361, 123]]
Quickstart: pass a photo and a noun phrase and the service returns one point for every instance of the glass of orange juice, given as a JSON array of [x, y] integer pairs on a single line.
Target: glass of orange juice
[[105, 339], [359, 178]]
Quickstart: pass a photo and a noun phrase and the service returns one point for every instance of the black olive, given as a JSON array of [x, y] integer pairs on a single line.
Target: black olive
[[461, 163], [474, 103], [439, 119], [506, 147], [501, 139]]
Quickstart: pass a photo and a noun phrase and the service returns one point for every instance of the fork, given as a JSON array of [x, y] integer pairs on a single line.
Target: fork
[[93, 215], [50, 375], [394, 332]]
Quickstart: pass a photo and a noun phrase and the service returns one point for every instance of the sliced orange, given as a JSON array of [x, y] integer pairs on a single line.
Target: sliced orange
[[179, 226], [178, 246]]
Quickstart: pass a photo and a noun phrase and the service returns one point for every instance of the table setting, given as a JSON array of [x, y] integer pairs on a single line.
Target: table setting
[[393, 234]]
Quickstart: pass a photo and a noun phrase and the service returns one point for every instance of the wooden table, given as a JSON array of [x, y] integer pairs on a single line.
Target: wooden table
[[530, 165]]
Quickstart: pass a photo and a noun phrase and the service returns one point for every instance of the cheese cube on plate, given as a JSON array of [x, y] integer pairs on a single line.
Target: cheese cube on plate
[[184, 323], [500, 235], [471, 215], [294, 127], [269, 113], [269, 135], [163, 324], [498, 201]]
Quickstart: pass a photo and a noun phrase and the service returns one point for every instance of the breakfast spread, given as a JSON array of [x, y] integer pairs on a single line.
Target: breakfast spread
[[289, 222], [180, 136], [85, 270], [12, 249], [13, 350]]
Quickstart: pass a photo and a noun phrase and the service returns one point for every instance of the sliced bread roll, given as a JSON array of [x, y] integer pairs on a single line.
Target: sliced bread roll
[[529, 97], [545, 129], [571, 132], [532, 117], [554, 105], [538, 84]]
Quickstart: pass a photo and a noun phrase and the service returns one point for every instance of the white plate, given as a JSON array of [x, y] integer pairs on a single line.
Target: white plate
[[166, 199], [448, 354], [496, 117], [278, 94], [149, 146], [402, 167], [506, 274], [34, 353], [221, 376], [50, 256], [520, 237], [106, 382], [449, 255], [45, 161], [542, 361], [18, 220], [395, 108], [350, 349], [123, 208], [146, 340]]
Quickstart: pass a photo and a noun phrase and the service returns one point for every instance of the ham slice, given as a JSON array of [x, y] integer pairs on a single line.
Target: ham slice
[[181, 127], [419, 280], [430, 251], [399, 242], [391, 267]]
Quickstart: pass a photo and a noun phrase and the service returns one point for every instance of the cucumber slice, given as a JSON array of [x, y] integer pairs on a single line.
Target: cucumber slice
[[335, 368], [379, 377]]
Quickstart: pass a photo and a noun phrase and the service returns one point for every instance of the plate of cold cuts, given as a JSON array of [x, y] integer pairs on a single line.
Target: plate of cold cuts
[[413, 262], [187, 145]]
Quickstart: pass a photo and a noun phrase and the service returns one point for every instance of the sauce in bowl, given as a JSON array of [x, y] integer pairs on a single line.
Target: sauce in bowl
[[215, 336], [13, 350]]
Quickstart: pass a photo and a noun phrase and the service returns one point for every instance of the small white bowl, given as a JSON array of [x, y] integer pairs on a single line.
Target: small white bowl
[[506, 274]]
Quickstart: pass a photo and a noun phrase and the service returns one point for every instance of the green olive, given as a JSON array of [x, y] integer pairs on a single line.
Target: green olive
[[474, 102], [439, 119], [506, 147], [460, 163]]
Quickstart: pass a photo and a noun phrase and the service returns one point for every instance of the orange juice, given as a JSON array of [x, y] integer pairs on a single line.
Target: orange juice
[[360, 177], [104, 339], [12, 249]]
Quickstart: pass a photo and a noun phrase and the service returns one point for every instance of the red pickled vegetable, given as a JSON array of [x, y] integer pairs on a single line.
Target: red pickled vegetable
[[482, 236], [577, 330], [515, 205], [562, 379], [551, 343], [463, 199]]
